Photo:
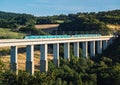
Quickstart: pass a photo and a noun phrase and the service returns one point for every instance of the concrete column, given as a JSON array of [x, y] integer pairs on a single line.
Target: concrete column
[[43, 58], [76, 49], [105, 43], [56, 54], [99, 47], [92, 48], [30, 59], [67, 51], [13, 59], [85, 49]]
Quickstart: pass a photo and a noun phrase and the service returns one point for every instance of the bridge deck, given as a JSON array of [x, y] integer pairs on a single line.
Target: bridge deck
[[17, 42]]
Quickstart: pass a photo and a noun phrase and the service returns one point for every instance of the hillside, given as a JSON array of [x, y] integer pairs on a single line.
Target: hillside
[[71, 22], [8, 33], [49, 28], [113, 51], [99, 22]]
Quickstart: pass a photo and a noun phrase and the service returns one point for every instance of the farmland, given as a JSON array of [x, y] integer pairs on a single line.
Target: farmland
[[8, 33], [46, 26]]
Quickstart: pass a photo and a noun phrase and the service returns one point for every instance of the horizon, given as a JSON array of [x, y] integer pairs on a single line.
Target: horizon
[[57, 14], [50, 8]]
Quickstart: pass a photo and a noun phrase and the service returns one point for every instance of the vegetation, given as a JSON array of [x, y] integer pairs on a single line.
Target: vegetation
[[19, 23], [82, 21], [113, 50], [110, 17], [6, 33], [84, 24], [91, 21]]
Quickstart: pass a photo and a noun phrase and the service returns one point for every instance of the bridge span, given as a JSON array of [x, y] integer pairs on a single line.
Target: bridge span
[[101, 43]]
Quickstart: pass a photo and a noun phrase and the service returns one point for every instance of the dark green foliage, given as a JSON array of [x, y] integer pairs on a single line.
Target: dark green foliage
[[4, 52], [111, 17], [31, 30], [67, 74], [14, 20], [113, 51], [71, 22], [43, 20], [84, 24]]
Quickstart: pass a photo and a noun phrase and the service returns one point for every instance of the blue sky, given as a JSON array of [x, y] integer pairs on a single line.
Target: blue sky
[[55, 7]]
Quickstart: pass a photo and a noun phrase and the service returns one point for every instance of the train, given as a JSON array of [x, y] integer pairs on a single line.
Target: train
[[60, 36]]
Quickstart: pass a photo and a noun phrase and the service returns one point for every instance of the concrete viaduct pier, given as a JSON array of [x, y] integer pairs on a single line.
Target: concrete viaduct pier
[[101, 42]]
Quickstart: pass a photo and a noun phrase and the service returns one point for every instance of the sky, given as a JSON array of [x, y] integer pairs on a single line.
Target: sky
[[56, 7]]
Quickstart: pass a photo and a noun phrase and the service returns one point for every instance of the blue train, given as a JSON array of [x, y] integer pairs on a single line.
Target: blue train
[[61, 36]]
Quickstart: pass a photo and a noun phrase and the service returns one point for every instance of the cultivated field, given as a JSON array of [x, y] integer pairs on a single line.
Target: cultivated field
[[46, 26]]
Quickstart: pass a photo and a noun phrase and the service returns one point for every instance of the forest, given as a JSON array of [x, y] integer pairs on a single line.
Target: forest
[[72, 22]]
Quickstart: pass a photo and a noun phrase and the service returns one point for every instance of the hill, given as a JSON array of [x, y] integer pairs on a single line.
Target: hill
[[100, 21], [71, 22]]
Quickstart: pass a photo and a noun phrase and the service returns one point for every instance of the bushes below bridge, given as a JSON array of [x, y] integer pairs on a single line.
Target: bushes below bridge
[[76, 72]]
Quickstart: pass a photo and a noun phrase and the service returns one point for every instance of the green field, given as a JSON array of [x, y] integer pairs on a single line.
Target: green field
[[59, 21], [7, 33]]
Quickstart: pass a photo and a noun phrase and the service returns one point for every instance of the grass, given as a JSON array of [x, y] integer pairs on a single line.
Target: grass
[[7, 33], [59, 21], [22, 60]]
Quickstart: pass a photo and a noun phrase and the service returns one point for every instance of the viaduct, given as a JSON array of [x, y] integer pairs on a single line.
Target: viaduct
[[101, 43]]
